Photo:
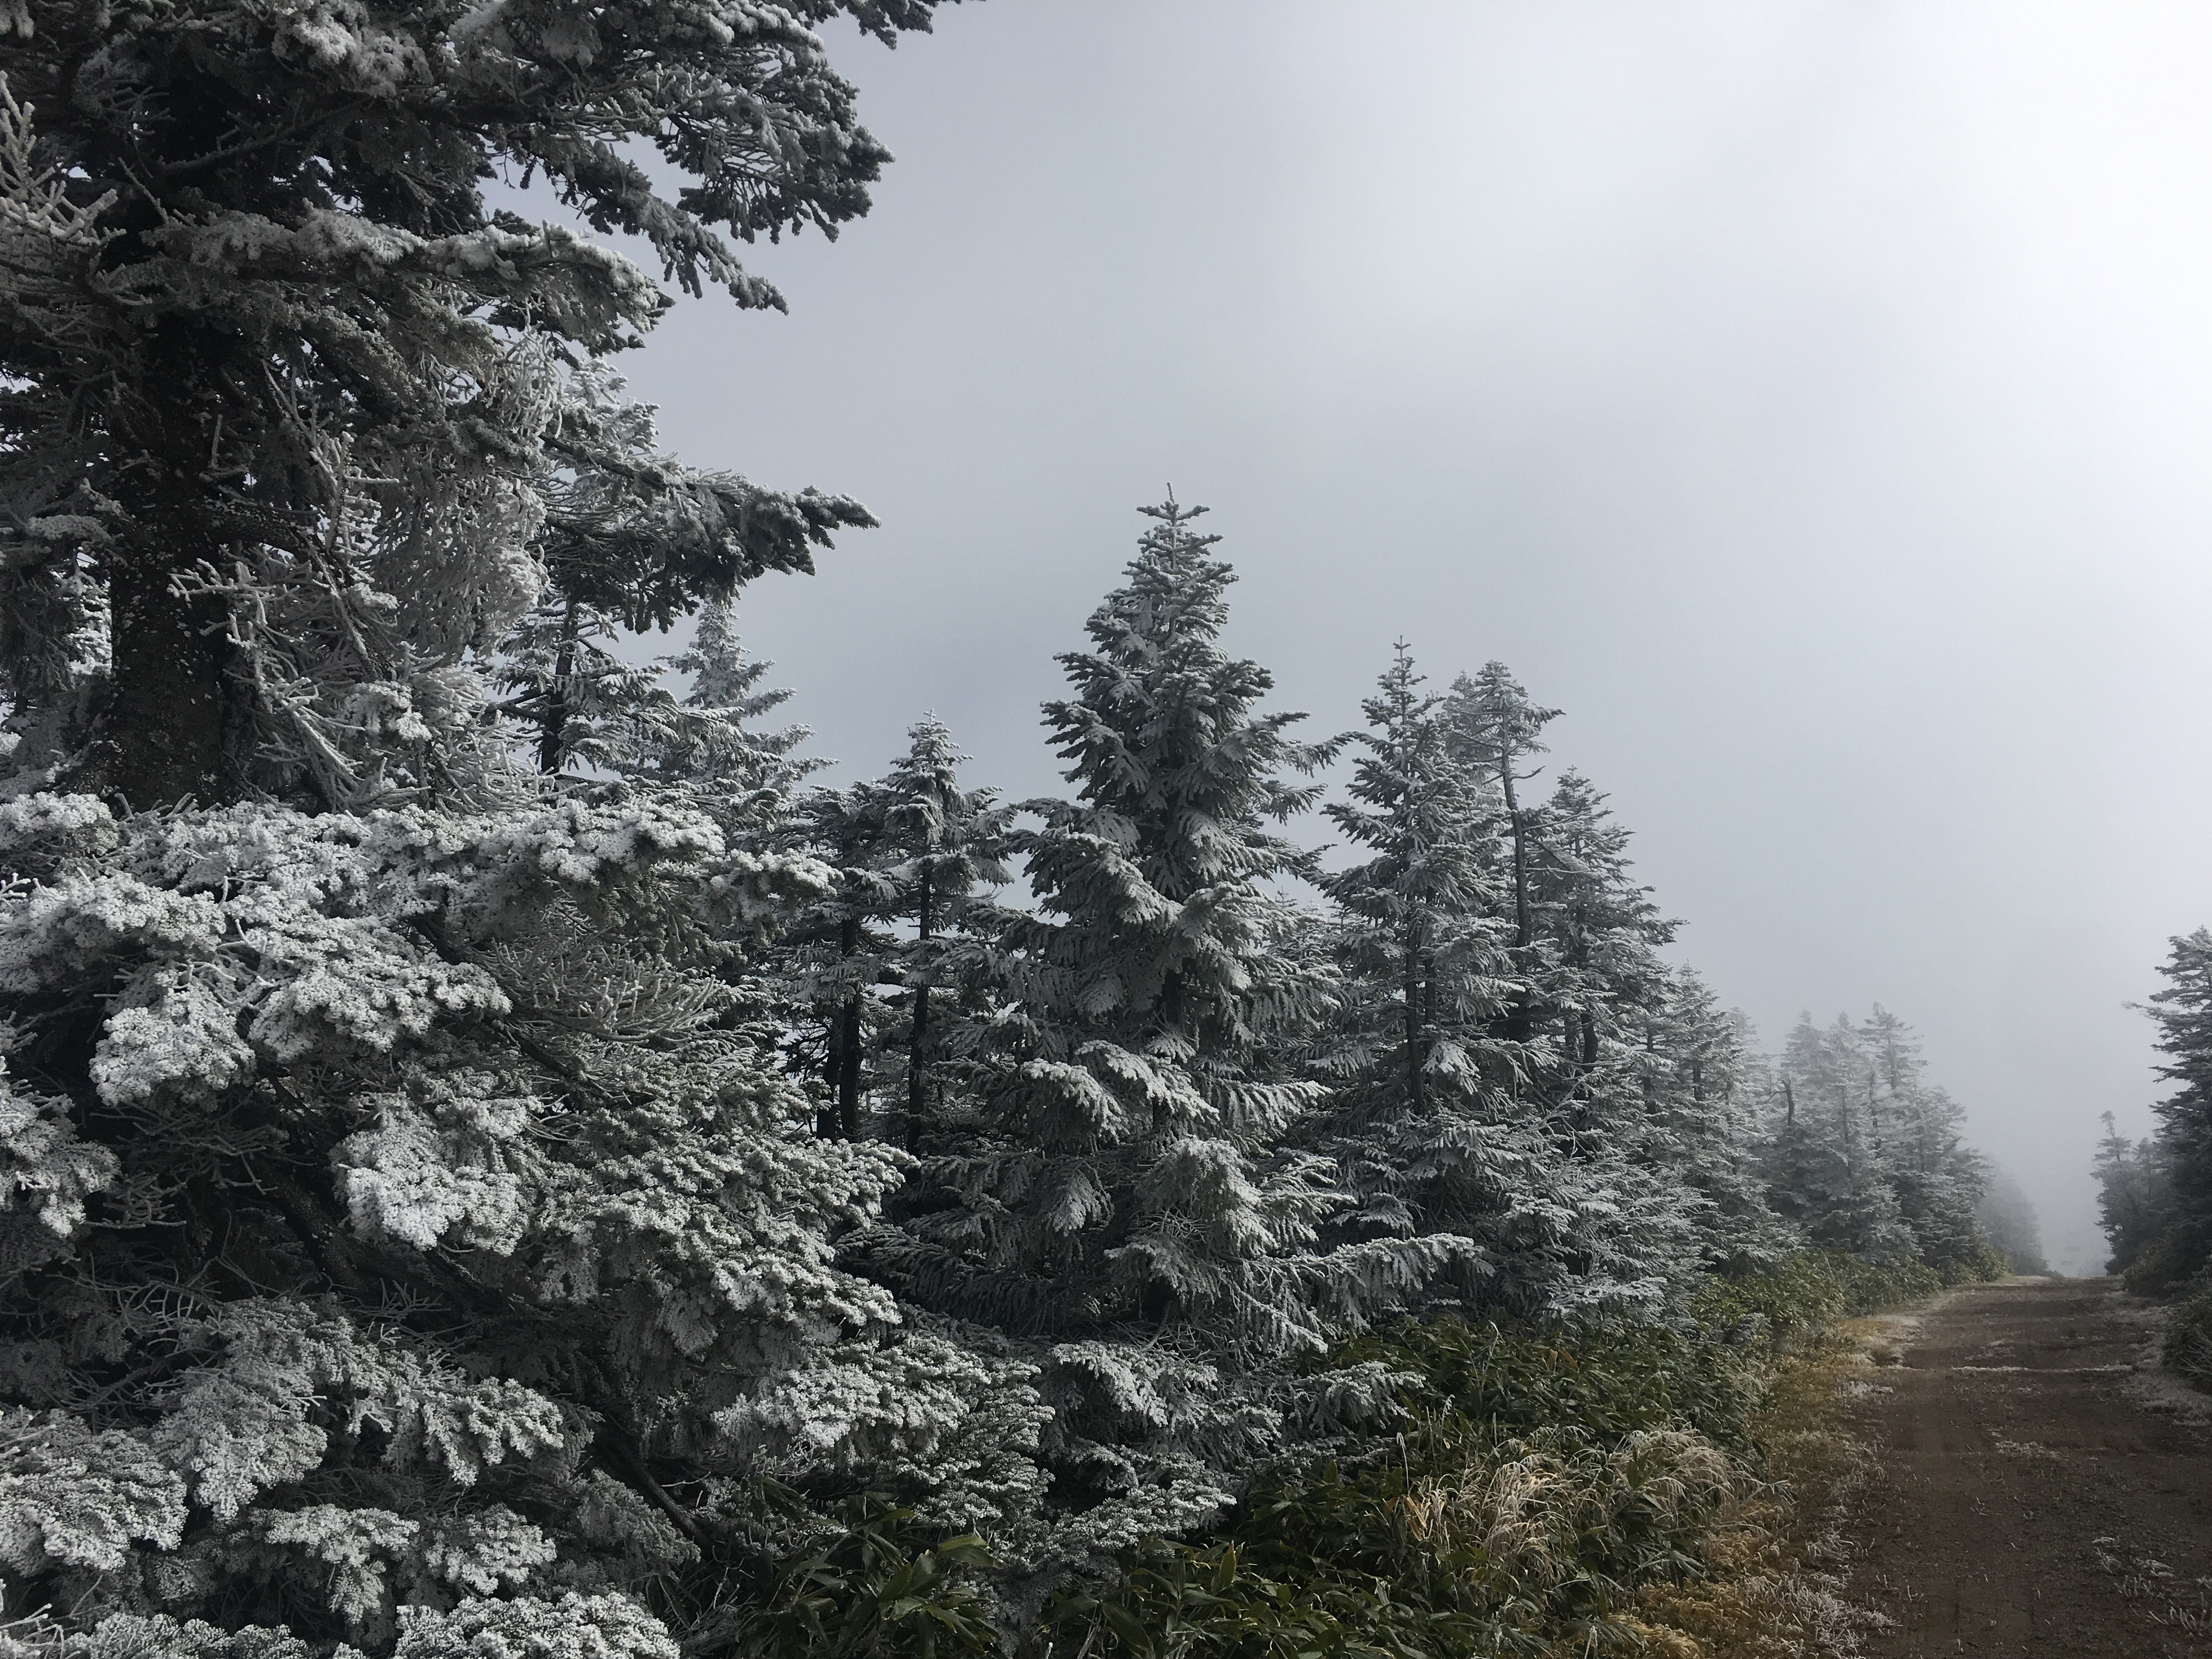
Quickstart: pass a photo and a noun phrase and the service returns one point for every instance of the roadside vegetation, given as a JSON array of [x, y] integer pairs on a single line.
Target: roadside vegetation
[[2156, 1194], [1627, 1488]]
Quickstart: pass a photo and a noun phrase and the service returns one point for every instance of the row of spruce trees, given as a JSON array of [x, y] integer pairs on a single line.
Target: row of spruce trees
[[492, 1161]]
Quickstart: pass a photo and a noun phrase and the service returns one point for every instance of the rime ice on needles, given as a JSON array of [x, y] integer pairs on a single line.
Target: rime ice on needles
[[389, 1201]]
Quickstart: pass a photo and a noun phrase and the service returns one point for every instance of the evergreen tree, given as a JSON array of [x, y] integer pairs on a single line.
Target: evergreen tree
[[285, 394], [2183, 1012], [1594, 1012], [1868, 1157], [1709, 1089], [399, 1226], [1453, 1131], [633, 539], [1601, 984], [1495, 728], [909, 851], [847, 945], [1118, 1192], [1827, 1173], [1425, 967], [2009, 1223], [709, 743], [1508, 947], [2135, 1197], [948, 841]]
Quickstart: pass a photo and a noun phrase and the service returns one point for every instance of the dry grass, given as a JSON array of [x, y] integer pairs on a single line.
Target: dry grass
[[1771, 1589]]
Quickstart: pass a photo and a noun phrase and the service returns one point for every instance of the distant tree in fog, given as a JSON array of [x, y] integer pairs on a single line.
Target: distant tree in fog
[[2008, 1222]]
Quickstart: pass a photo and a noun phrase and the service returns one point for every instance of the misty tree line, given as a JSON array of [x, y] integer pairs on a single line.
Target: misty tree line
[[491, 1160]]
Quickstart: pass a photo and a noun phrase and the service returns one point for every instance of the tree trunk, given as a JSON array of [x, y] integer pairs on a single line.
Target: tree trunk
[[847, 1049], [917, 1092], [1519, 1021], [167, 733], [848, 1077], [553, 718], [1416, 1055], [162, 735]]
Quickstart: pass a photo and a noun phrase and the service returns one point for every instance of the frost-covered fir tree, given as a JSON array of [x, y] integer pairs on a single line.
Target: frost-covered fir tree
[[1420, 1117], [1596, 999], [902, 919], [843, 945], [631, 540], [715, 746], [1919, 1131], [945, 841], [1117, 1193], [1418, 927], [1600, 985], [1709, 1090], [2181, 1155], [2134, 1199], [1431, 1119], [1864, 1154], [1496, 731], [1506, 946], [268, 367], [1826, 1171], [402, 1246]]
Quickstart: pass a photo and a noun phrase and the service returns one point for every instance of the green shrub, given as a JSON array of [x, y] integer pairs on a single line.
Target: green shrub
[[1984, 1265], [879, 1589], [1543, 1476], [1606, 1380], [2164, 1267], [2188, 1346], [1543, 1479], [1770, 1309]]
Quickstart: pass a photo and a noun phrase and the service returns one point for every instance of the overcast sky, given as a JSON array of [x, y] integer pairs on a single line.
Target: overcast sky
[[1811, 400]]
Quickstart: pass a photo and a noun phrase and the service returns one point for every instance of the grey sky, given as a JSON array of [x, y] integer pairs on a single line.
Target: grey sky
[[1811, 400]]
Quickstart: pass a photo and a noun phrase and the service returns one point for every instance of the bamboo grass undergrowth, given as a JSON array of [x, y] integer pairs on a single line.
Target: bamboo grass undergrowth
[[1616, 1489]]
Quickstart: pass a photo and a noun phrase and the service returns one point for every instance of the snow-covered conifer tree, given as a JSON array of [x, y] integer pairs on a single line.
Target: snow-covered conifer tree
[[1864, 1154], [633, 540], [714, 747], [844, 944], [2182, 1152], [1827, 1173], [1120, 1195], [1709, 1089], [1417, 909], [1496, 729], [909, 850], [402, 1243], [1595, 997], [1424, 1119], [2135, 1196], [946, 841], [1918, 1130]]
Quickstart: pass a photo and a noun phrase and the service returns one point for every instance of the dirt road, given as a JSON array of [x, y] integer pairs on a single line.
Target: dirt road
[[2036, 1498]]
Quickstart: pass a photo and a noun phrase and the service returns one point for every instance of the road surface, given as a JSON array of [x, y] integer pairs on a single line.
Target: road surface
[[2039, 1493]]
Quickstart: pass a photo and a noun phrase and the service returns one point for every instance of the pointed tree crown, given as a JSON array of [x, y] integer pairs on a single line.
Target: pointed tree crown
[[1162, 737]]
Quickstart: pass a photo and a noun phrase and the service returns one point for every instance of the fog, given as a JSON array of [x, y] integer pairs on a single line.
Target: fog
[[1812, 400]]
